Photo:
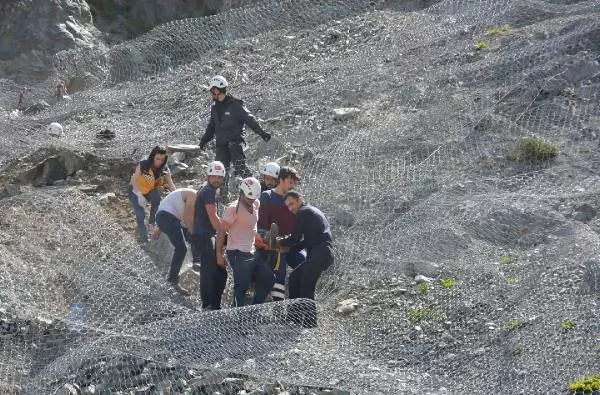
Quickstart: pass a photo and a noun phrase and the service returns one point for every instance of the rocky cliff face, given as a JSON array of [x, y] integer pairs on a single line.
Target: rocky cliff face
[[123, 19], [31, 31]]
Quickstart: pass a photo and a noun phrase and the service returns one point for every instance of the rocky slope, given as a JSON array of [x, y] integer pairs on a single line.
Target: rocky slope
[[460, 269]]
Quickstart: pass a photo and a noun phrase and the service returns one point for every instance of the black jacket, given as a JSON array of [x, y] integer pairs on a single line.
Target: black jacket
[[227, 120]]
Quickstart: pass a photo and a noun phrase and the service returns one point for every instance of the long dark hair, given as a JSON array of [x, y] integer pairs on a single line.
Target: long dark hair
[[155, 151]]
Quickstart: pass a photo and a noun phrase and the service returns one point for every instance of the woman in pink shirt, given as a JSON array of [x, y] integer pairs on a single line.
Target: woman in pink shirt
[[239, 223]]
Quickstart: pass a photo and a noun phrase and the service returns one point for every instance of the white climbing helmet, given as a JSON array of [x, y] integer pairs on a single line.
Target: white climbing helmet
[[218, 81], [251, 188], [54, 129], [216, 168], [271, 169]]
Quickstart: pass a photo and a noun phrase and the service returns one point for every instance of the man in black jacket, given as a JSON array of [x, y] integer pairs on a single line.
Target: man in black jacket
[[311, 231], [228, 116]]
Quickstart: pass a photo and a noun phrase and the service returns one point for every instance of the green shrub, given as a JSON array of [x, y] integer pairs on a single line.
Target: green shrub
[[585, 384], [424, 288], [514, 324], [506, 259], [493, 31], [512, 280], [418, 315], [533, 150], [568, 325], [480, 44], [448, 283]]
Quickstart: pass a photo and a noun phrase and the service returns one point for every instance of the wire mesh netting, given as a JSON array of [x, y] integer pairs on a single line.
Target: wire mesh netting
[[453, 145]]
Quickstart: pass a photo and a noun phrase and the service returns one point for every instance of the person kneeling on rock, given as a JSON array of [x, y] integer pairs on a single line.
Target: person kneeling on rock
[[239, 223], [149, 176]]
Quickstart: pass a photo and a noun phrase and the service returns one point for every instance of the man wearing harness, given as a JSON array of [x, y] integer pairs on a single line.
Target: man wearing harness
[[312, 231], [228, 115]]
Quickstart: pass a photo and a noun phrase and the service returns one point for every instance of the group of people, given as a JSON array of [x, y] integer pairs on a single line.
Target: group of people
[[268, 228]]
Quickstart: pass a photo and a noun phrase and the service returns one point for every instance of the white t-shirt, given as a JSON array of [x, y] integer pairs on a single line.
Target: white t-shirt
[[173, 202]]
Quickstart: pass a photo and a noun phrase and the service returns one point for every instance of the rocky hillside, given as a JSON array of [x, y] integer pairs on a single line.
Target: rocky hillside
[[453, 145]]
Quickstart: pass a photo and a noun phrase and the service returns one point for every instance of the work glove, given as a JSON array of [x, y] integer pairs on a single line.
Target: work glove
[[266, 136]]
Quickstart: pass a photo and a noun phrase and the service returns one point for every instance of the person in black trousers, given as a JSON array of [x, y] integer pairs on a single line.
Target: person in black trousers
[[205, 225], [228, 117], [312, 232]]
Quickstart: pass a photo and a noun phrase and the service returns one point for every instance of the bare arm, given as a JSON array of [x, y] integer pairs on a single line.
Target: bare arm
[[170, 185], [214, 219], [220, 242], [134, 179]]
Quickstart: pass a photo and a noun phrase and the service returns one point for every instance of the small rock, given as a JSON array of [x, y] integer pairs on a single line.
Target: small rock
[[235, 383], [422, 279], [108, 197], [178, 156], [90, 390], [36, 107], [89, 188], [479, 351], [189, 149], [101, 180], [54, 129], [580, 216], [10, 190], [71, 389], [425, 268], [181, 383], [177, 168], [106, 134], [340, 114], [347, 306]]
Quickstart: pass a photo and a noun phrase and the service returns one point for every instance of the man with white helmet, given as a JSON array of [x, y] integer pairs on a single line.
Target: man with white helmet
[[270, 176], [228, 117], [239, 223], [205, 225]]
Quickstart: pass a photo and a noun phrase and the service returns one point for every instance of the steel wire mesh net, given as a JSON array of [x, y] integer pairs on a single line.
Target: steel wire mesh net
[[452, 144]]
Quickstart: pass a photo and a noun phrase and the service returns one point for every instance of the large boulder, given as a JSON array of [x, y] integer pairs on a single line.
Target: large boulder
[[32, 31], [56, 167]]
